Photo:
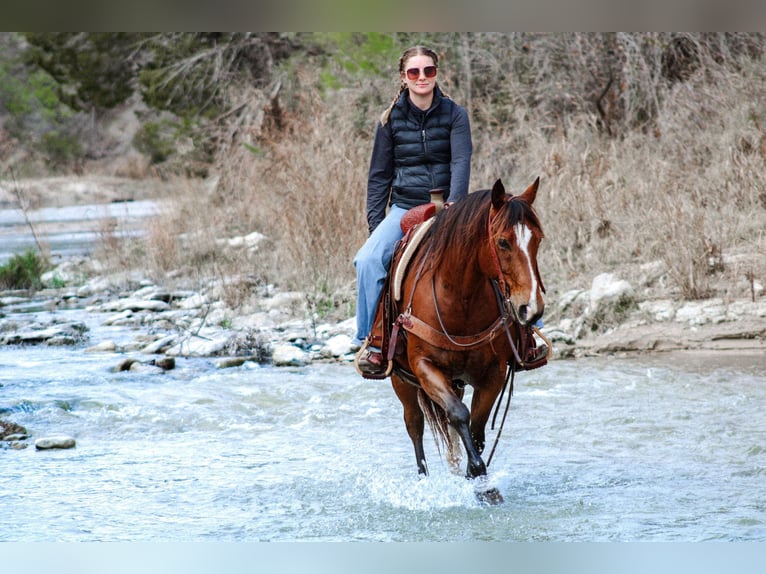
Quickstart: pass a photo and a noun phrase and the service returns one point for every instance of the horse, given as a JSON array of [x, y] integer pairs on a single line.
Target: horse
[[469, 298]]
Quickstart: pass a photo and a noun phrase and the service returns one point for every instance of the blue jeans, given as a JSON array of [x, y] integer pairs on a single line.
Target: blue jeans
[[371, 263]]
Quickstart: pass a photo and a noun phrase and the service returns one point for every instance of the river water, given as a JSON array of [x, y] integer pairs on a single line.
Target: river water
[[72, 230], [598, 449]]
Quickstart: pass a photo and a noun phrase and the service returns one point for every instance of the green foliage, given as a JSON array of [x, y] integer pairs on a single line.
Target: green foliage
[[156, 139], [23, 271], [357, 56], [35, 113], [255, 150], [93, 71], [57, 282], [60, 147], [367, 54], [181, 78]]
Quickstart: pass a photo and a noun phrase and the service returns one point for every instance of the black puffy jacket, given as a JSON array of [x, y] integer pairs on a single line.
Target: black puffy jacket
[[416, 151]]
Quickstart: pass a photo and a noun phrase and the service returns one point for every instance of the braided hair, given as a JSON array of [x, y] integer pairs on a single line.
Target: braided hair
[[406, 55]]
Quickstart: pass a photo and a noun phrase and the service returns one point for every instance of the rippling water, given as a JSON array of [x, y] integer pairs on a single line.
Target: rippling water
[[593, 450]]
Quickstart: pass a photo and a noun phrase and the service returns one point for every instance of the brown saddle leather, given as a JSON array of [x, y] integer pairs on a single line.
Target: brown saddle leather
[[417, 215]]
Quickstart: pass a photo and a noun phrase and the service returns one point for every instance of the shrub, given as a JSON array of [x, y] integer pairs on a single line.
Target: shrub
[[23, 271]]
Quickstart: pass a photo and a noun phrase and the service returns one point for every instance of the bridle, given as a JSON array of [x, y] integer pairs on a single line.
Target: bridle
[[496, 258]]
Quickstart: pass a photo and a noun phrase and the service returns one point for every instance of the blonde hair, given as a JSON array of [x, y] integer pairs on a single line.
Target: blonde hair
[[406, 55]]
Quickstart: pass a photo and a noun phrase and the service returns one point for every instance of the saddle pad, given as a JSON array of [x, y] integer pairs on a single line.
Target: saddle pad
[[418, 233]]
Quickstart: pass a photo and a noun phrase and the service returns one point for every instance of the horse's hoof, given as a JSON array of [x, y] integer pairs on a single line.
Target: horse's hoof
[[490, 496]]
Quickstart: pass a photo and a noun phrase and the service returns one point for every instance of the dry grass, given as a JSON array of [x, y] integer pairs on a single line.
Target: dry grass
[[686, 190], [685, 187]]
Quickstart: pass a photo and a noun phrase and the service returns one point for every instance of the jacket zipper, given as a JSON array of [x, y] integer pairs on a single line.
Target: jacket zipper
[[425, 153]]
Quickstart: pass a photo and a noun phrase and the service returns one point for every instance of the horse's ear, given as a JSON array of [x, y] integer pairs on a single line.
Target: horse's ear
[[530, 193], [498, 194]]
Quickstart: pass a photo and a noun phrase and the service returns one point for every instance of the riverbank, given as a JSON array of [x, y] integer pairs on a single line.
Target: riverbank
[[150, 320]]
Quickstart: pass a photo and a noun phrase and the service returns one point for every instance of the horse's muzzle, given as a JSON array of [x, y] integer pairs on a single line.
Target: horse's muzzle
[[529, 315]]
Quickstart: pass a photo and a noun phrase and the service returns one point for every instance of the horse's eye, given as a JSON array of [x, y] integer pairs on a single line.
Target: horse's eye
[[503, 243]]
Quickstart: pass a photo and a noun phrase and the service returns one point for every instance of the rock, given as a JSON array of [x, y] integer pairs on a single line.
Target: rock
[[250, 241], [199, 347], [119, 318], [33, 336], [9, 430], [145, 368], [15, 437], [653, 271], [557, 335], [143, 305], [193, 302], [573, 301], [93, 286], [152, 292], [659, 310], [738, 309], [123, 365], [288, 301], [108, 346], [160, 345], [62, 341], [701, 312], [54, 442], [607, 291], [336, 346], [166, 363], [229, 362], [256, 320], [289, 356]]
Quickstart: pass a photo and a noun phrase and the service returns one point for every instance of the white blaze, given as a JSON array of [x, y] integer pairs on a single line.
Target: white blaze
[[523, 237]]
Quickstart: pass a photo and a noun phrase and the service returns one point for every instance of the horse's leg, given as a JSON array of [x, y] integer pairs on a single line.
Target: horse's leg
[[413, 419], [483, 400], [439, 387]]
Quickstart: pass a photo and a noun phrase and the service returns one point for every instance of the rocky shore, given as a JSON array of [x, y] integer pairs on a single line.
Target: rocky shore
[[159, 324]]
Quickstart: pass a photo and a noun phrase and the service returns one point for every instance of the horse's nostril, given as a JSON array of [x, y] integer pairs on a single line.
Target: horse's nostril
[[523, 312]]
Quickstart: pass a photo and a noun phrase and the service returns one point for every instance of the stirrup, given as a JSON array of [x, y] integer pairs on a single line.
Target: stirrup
[[374, 376], [541, 361]]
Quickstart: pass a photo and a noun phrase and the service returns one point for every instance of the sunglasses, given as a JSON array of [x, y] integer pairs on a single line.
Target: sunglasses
[[428, 72]]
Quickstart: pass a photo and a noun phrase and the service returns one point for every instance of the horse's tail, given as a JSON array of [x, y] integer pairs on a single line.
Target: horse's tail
[[437, 420]]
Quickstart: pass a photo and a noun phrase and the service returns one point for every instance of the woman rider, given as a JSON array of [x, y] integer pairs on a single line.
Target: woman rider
[[422, 142]]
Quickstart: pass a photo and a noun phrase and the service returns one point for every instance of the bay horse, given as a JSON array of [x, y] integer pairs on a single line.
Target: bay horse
[[469, 298]]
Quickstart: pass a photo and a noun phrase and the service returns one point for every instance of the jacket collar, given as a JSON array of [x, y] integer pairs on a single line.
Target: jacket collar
[[404, 101]]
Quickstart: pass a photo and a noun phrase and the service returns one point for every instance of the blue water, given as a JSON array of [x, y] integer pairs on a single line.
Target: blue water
[[594, 450]]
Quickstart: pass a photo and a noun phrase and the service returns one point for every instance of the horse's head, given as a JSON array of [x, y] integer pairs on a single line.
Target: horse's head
[[515, 235]]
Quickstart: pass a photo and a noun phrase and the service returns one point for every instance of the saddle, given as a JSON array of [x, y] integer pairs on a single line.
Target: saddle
[[414, 224]]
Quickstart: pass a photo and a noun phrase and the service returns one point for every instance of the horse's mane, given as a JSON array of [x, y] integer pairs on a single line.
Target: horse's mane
[[457, 229]]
